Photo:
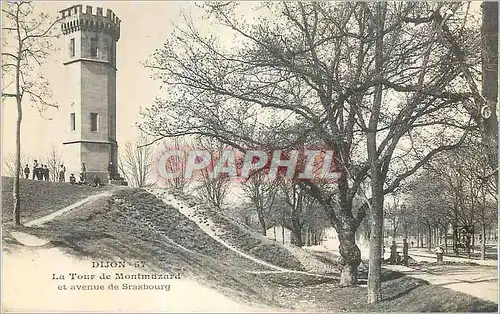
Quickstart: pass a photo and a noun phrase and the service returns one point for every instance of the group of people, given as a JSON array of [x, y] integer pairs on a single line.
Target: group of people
[[96, 181], [40, 172], [83, 178], [395, 258]]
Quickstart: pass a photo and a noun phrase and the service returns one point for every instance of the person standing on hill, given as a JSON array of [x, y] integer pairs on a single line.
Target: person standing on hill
[[42, 172], [39, 172], [394, 249], [111, 171], [83, 173], [46, 173], [405, 252], [35, 169], [62, 172], [27, 171]]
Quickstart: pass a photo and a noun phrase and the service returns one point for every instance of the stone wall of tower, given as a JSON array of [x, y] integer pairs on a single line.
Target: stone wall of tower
[[95, 97], [92, 88]]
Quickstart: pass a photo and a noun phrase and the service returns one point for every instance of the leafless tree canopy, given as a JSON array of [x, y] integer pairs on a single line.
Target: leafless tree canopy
[[358, 78], [26, 43], [136, 162]]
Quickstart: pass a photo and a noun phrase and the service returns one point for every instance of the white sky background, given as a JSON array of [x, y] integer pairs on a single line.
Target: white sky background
[[145, 26]]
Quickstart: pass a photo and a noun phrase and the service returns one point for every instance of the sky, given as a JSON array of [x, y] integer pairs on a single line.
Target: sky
[[145, 26]]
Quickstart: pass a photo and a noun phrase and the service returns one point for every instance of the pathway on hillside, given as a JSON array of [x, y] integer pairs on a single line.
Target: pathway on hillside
[[49, 217], [190, 213], [34, 290]]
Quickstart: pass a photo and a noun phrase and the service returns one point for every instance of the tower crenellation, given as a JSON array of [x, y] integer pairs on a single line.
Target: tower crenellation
[[78, 18]]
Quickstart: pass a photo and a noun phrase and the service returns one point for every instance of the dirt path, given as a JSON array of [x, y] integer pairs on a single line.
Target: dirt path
[[29, 285], [49, 217], [478, 281], [191, 213]]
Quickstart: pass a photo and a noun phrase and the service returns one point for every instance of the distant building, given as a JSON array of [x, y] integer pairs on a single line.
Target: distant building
[[331, 239]]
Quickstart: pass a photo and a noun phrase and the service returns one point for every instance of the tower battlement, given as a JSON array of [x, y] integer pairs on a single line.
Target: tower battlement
[[78, 18]]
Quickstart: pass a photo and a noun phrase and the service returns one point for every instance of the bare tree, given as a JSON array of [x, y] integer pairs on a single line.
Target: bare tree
[[25, 44], [136, 162], [324, 73], [300, 206], [489, 89], [9, 164], [175, 163], [213, 189], [393, 213], [53, 161], [262, 194]]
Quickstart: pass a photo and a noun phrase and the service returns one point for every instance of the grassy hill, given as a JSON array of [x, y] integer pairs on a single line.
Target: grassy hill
[[39, 198], [240, 236], [133, 224]]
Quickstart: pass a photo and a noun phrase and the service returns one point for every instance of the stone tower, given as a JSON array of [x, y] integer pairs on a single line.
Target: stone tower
[[90, 63]]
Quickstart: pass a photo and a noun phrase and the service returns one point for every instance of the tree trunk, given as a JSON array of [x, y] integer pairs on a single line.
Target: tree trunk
[[429, 239], [350, 256], [262, 222], [283, 234], [376, 234], [445, 243], [418, 237], [377, 177], [308, 238], [483, 243], [489, 61], [473, 240], [15, 191], [297, 235]]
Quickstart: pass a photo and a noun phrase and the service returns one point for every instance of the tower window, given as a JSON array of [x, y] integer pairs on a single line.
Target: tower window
[[94, 121], [72, 47], [73, 121], [93, 47]]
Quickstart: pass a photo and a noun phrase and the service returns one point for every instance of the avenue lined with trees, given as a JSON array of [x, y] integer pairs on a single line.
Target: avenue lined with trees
[[390, 87]]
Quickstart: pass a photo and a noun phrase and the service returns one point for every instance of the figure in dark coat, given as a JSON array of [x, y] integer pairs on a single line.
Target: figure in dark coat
[[35, 170], [394, 253], [27, 171], [405, 252]]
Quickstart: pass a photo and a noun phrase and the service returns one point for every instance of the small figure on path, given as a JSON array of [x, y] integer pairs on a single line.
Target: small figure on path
[[72, 179], [439, 254], [46, 173], [62, 172], [393, 258], [97, 181], [35, 169], [83, 179], [411, 243], [405, 252], [111, 171], [27, 171], [83, 172]]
